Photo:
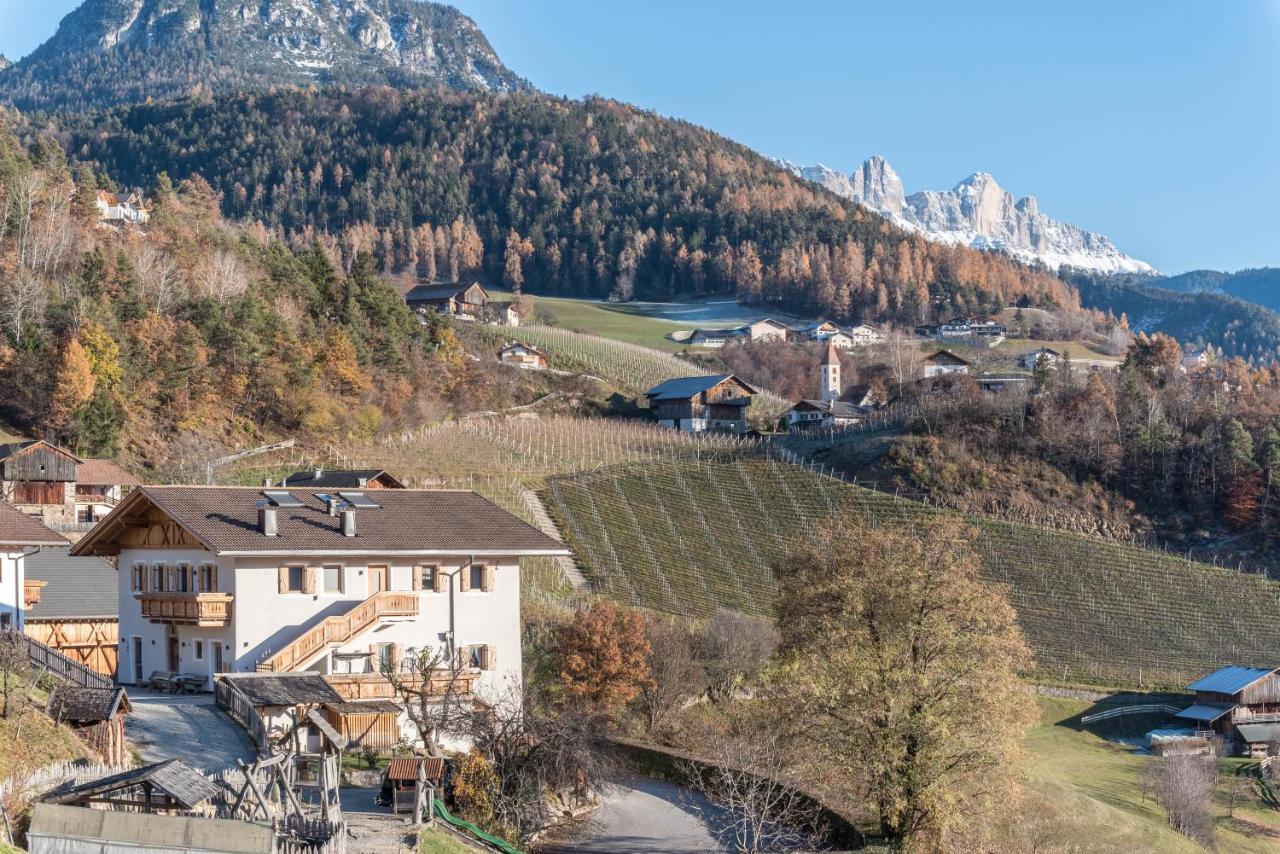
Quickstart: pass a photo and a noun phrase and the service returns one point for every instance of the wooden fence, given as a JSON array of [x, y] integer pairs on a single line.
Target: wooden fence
[[1121, 711], [231, 698], [55, 663]]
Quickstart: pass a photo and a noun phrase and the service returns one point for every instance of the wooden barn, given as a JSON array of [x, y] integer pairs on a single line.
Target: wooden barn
[[77, 612], [373, 723], [38, 477], [524, 356], [464, 302], [1241, 704], [695, 404], [96, 715]]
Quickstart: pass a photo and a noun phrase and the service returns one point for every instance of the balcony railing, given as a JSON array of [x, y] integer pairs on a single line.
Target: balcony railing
[[341, 628], [200, 609], [374, 686], [31, 592], [1245, 716]]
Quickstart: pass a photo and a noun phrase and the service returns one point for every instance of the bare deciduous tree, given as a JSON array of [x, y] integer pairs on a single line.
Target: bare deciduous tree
[[1183, 785], [22, 303], [542, 756], [675, 678], [754, 804], [733, 648], [158, 276], [223, 276], [435, 687]]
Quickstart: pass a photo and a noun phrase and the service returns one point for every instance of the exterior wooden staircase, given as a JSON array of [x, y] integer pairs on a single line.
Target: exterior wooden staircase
[[339, 629]]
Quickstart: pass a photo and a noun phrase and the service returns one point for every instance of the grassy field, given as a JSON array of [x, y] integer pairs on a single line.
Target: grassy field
[[1091, 792], [689, 536], [619, 321]]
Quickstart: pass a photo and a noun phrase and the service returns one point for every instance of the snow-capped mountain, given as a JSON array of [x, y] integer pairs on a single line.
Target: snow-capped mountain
[[977, 212], [108, 52]]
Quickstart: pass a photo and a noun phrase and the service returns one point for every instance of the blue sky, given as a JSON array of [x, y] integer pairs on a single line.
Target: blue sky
[[1157, 124]]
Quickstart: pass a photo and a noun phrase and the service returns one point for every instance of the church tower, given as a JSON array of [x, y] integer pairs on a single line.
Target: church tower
[[831, 388]]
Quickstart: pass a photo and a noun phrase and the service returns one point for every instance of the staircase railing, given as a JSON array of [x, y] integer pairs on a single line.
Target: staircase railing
[[339, 629]]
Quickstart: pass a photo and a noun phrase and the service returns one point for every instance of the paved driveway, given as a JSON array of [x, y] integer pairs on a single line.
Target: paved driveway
[[187, 727], [643, 816]]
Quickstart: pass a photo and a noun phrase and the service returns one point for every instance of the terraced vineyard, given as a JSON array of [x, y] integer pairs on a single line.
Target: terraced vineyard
[[665, 534]]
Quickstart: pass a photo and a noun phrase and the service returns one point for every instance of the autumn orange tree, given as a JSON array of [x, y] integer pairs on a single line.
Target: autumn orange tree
[[602, 656]]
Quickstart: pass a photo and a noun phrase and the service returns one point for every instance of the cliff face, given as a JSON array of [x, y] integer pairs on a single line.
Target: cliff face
[[977, 212], [108, 52]]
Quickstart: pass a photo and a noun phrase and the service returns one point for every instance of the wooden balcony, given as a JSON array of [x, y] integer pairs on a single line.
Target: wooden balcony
[[197, 609], [333, 631], [375, 686], [31, 592]]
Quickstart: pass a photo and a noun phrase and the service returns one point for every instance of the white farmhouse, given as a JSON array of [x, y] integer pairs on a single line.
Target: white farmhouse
[[132, 209], [20, 537], [945, 362], [228, 579]]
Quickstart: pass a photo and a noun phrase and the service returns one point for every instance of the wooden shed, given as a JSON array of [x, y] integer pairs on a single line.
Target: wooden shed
[[374, 723], [96, 715]]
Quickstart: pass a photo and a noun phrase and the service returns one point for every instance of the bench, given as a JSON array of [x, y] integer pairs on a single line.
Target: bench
[[189, 682], [160, 680]]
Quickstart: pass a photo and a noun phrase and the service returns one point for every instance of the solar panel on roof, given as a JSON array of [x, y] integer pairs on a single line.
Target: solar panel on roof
[[357, 499], [282, 499]]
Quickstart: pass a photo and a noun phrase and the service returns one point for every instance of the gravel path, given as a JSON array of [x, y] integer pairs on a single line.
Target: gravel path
[[187, 727], [643, 816], [372, 829]]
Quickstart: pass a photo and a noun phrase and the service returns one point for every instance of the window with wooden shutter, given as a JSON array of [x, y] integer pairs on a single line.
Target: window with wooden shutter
[[415, 578], [309, 579], [441, 580], [488, 578], [488, 657], [283, 579], [464, 580]]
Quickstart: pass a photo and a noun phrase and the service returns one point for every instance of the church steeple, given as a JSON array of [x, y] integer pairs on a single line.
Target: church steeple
[[830, 368]]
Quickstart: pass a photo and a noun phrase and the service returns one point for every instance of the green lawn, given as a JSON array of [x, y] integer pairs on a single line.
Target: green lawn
[[440, 842], [1092, 789], [610, 320]]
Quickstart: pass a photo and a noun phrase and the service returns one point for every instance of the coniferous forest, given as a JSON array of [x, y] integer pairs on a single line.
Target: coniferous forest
[[587, 198]]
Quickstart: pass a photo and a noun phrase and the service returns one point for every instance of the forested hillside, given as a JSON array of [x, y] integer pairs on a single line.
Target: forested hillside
[[567, 197], [1236, 327], [1260, 285], [173, 344]]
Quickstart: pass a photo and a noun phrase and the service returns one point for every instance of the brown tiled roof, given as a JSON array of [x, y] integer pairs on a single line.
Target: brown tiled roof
[[19, 529], [99, 472], [283, 689], [412, 521]]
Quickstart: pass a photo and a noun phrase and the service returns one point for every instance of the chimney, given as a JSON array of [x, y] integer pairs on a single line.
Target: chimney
[[266, 481], [348, 522], [319, 473], [267, 521], [332, 504]]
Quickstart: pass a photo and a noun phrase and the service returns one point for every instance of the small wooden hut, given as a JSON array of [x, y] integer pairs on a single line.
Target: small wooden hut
[[373, 723], [96, 715]]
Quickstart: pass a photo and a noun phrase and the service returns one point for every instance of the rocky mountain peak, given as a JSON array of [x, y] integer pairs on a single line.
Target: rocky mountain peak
[[107, 52], [977, 212]]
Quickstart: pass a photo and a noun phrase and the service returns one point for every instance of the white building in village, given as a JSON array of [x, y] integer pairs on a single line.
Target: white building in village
[[229, 579], [20, 537]]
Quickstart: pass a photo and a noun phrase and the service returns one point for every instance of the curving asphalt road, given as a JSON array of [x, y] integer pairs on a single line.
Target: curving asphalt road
[[645, 816]]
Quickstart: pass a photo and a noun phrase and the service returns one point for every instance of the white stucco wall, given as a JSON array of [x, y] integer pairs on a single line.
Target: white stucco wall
[[263, 620], [12, 571]]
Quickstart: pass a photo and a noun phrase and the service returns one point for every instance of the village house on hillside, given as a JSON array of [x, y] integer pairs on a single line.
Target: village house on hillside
[[1051, 358], [20, 537], [462, 302], [1241, 704], [43, 480], [322, 478], [764, 329], [337, 583], [523, 356], [944, 362], [862, 335], [695, 404], [133, 209]]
